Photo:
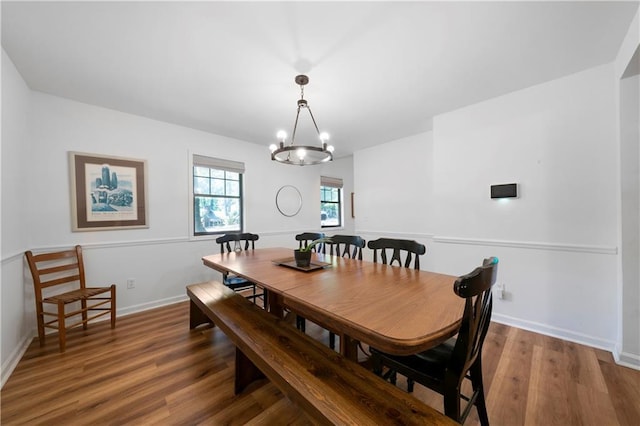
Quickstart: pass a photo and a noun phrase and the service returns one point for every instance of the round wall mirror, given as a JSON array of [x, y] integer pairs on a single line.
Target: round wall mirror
[[289, 200]]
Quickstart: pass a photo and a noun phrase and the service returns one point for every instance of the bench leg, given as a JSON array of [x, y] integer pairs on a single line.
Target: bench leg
[[196, 316], [246, 372]]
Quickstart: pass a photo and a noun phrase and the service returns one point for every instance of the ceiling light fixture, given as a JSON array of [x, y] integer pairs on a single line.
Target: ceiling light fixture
[[302, 155]]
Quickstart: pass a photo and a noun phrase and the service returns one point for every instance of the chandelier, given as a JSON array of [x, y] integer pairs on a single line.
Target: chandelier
[[302, 155]]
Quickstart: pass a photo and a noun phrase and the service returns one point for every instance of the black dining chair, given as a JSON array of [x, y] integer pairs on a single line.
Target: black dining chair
[[412, 250], [444, 367], [307, 237], [346, 245], [237, 243]]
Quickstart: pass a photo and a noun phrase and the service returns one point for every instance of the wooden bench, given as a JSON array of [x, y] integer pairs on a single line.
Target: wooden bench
[[327, 386]]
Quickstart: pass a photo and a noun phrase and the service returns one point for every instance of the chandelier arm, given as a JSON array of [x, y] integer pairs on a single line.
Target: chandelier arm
[[295, 126], [313, 119]]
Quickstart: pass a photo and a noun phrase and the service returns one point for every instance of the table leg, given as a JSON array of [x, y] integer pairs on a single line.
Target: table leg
[[275, 304], [349, 347]]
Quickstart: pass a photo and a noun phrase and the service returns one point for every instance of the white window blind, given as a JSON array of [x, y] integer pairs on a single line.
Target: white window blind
[[218, 163], [330, 182]]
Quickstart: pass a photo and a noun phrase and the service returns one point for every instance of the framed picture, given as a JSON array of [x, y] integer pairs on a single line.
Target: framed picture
[[353, 212], [107, 192]]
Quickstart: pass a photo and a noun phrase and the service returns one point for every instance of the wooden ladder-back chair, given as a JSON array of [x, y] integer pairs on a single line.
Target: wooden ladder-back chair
[[346, 245], [236, 243], [411, 249], [307, 237], [59, 280], [444, 367]]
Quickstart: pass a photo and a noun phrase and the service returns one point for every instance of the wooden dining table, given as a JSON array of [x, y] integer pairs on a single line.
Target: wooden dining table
[[394, 309]]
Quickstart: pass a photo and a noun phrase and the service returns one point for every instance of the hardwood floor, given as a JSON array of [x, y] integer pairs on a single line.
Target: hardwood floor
[[153, 370]]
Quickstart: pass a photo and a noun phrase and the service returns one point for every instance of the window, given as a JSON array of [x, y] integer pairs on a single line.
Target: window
[[330, 202], [217, 195]]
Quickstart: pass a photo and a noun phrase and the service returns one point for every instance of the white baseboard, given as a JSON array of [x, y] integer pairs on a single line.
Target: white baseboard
[[151, 305], [14, 358], [560, 333], [627, 360]]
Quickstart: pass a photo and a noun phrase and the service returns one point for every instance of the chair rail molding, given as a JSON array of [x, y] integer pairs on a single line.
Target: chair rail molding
[[577, 248], [89, 246], [392, 234]]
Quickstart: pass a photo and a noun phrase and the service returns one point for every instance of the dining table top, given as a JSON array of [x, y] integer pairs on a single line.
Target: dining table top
[[395, 309]]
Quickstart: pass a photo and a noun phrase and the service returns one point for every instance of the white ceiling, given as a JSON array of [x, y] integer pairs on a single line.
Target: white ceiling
[[379, 71]]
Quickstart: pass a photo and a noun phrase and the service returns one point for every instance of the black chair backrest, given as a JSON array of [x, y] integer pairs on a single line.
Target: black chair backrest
[[413, 250], [306, 237], [238, 240], [347, 245], [475, 287]]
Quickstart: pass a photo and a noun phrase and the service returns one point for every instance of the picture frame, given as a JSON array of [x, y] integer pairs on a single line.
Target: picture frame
[[107, 192], [353, 212]]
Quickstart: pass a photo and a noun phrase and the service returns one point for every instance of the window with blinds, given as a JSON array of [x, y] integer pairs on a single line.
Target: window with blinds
[[217, 195], [330, 202]]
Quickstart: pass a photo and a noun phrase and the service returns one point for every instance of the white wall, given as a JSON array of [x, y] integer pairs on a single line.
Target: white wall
[[557, 241], [630, 213], [555, 141], [14, 224], [163, 258], [627, 69], [394, 184]]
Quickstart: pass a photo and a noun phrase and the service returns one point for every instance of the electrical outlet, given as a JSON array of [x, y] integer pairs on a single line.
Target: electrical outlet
[[131, 283], [500, 290]]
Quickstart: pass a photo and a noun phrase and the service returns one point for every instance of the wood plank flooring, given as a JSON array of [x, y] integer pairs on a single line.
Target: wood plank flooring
[[153, 370]]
